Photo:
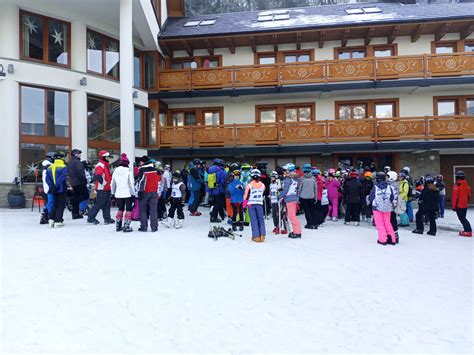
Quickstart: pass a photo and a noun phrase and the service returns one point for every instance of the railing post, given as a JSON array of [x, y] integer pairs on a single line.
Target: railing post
[[190, 80], [233, 76], [191, 136], [375, 68], [426, 128], [279, 132], [234, 134], [326, 128], [425, 66], [278, 74], [326, 71]]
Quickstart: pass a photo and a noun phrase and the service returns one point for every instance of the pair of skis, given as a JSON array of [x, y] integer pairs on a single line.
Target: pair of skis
[[216, 232], [283, 223]]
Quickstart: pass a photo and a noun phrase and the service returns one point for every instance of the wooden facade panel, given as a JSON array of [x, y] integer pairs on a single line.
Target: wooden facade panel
[[300, 132], [301, 73], [351, 130], [175, 137], [354, 69], [400, 67], [399, 129], [447, 65], [451, 128], [256, 75], [206, 136], [212, 78], [175, 80], [256, 134]]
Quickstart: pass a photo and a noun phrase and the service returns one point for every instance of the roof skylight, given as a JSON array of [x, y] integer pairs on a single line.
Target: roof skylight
[[208, 22], [192, 23], [278, 15], [205, 22], [354, 11], [371, 10]]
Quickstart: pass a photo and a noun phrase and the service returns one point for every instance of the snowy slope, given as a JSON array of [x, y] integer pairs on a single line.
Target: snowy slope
[[89, 289]]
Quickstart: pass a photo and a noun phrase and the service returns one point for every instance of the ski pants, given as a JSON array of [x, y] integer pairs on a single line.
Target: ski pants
[[124, 204], [393, 221], [237, 210], [309, 209], [419, 217], [161, 207], [441, 203], [79, 194], [196, 201], [49, 204], [190, 199], [257, 220], [324, 212], [149, 201], [102, 202], [58, 207], [353, 212], [176, 206], [409, 210], [275, 214], [383, 225], [218, 206], [334, 207], [461, 212], [295, 222]]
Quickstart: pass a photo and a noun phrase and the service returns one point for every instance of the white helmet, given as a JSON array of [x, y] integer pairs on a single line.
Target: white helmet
[[255, 173], [392, 176], [407, 168]]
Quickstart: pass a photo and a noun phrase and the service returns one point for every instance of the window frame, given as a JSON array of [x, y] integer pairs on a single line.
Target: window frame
[[369, 50], [198, 59], [281, 111], [370, 106], [461, 103], [280, 56], [104, 143], [198, 112], [46, 21], [458, 45], [104, 60]]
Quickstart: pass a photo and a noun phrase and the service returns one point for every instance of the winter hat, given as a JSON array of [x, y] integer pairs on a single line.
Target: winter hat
[[144, 159], [306, 168], [315, 172], [124, 159]]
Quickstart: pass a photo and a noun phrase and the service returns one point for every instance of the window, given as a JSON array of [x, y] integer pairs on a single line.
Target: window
[[195, 116], [354, 53], [284, 57], [212, 118], [138, 126], [297, 57], [137, 69], [441, 48], [151, 127], [266, 59], [45, 39], [149, 60], [103, 123], [277, 15], [353, 110], [454, 105], [301, 112], [102, 55], [201, 62], [44, 112], [385, 50], [469, 46], [447, 47], [31, 157]]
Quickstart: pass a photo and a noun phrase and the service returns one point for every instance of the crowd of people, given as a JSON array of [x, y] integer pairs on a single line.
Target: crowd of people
[[244, 194]]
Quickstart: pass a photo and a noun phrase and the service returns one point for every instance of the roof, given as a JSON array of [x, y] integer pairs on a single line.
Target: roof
[[317, 17]]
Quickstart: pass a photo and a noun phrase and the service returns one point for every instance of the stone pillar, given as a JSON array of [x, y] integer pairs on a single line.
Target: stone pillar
[[78, 45], [10, 142], [79, 121], [127, 129]]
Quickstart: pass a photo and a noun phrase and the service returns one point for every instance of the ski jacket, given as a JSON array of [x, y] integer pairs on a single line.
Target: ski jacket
[[102, 176], [45, 164], [441, 186], [178, 190], [461, 194], [382, 197], [236, 190], [404, 189], [289, 191], [56, 177], [122, 182], [166, 177], [307, 187], [148, 178], [353, 192], [254, 193], [220, 180], [76, 171], [333, 187], [195, 180], [429, 199], [320, 182], [275, 188]]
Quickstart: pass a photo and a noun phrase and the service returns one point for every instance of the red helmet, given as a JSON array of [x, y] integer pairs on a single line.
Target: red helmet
[[103, 153]]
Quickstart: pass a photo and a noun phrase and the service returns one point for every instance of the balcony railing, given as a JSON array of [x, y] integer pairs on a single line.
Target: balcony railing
[[413, 66], [319, 131]]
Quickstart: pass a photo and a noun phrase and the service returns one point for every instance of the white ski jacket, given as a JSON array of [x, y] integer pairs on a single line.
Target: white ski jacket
[[122, 182]]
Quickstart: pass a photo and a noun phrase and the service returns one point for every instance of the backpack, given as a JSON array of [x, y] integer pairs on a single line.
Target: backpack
[[383, 199], [212, 181]]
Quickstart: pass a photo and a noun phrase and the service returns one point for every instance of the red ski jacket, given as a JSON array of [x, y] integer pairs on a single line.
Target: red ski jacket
[[102, 175], [461, 194]]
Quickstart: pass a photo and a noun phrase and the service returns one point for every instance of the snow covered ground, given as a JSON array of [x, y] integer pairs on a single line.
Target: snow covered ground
[[88, 289]]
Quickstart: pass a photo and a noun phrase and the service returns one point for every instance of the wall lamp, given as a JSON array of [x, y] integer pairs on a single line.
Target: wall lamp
[[2, 73], [83, 81], [135, 94], [11, 69]]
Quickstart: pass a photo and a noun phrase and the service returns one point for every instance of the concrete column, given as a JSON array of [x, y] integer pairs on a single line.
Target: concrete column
[[127, 134], [10, 142], [78, 45], [9, 31], [79, 121]]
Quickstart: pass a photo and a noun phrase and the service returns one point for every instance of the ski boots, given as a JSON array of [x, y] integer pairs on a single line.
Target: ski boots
[[126, 226], [241, 226], [77, 216], [168, 222], [417, 231], [256, 239], [58, 224], [262, 238], [44, 217], [178, 224], [51, 223], [109, 221], [391, 240], [118, 225], [215, 220], [431, 233], [356, 224], [93, 221], [234, 227], [381, 243], [465, 234], [334, 219]]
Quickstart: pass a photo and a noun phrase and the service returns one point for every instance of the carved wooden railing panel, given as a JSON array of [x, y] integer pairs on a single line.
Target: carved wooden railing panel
[[301, 73], [450, 64], [401, 128], [400, 67], [212, 78], [414, 66], [299, 132], [175, 80], [448, 127], [175, 137], [257, 75], [354, 69], [256, 134], [213, 135], [351, 130]]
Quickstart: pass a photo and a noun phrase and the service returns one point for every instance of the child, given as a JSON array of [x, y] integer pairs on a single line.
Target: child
[[236, 191], [289, 194], [461, 197], [122, 188], [275, 188], [382, 198], [49, 196], [441, 186], [428, 205], [253, 198], [324, 206], [178, 196], [333, 185], [367, 185], [56, 176]]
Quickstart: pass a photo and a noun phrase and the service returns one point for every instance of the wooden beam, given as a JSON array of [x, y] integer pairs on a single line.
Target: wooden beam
[[442, 31], [345, 37], [466, 32], [415, 35], [187, 47], [321, 39], [275, 43], [253, 44], [369, 35], [298, 41], [393, 34], [166, 50], [230, 45], [208, 46]]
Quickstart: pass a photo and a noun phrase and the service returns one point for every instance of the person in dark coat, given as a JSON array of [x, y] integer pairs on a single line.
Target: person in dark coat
[[353, 196], [56, 177], [428, 205], [77, 177], [196, 183]]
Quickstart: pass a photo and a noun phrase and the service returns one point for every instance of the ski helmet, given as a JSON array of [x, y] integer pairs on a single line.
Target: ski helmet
[[245, 166], [236, 172], [315, 172], [103, 154], [50, 156], [354, 173], [368, 175], [380, 176], [407, 169], [439, 177], [386, 169], [403, 175], [307, 168], [290, 167], [176, 175], [429, 180], [255, 174], [75, 152], [331, 172], [460, 175], [392, 176], [59, 155], [274, 174], [234, 166]]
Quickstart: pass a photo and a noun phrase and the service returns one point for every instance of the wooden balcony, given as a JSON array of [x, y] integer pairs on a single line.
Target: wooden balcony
[[318, 131], [384, 68]]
